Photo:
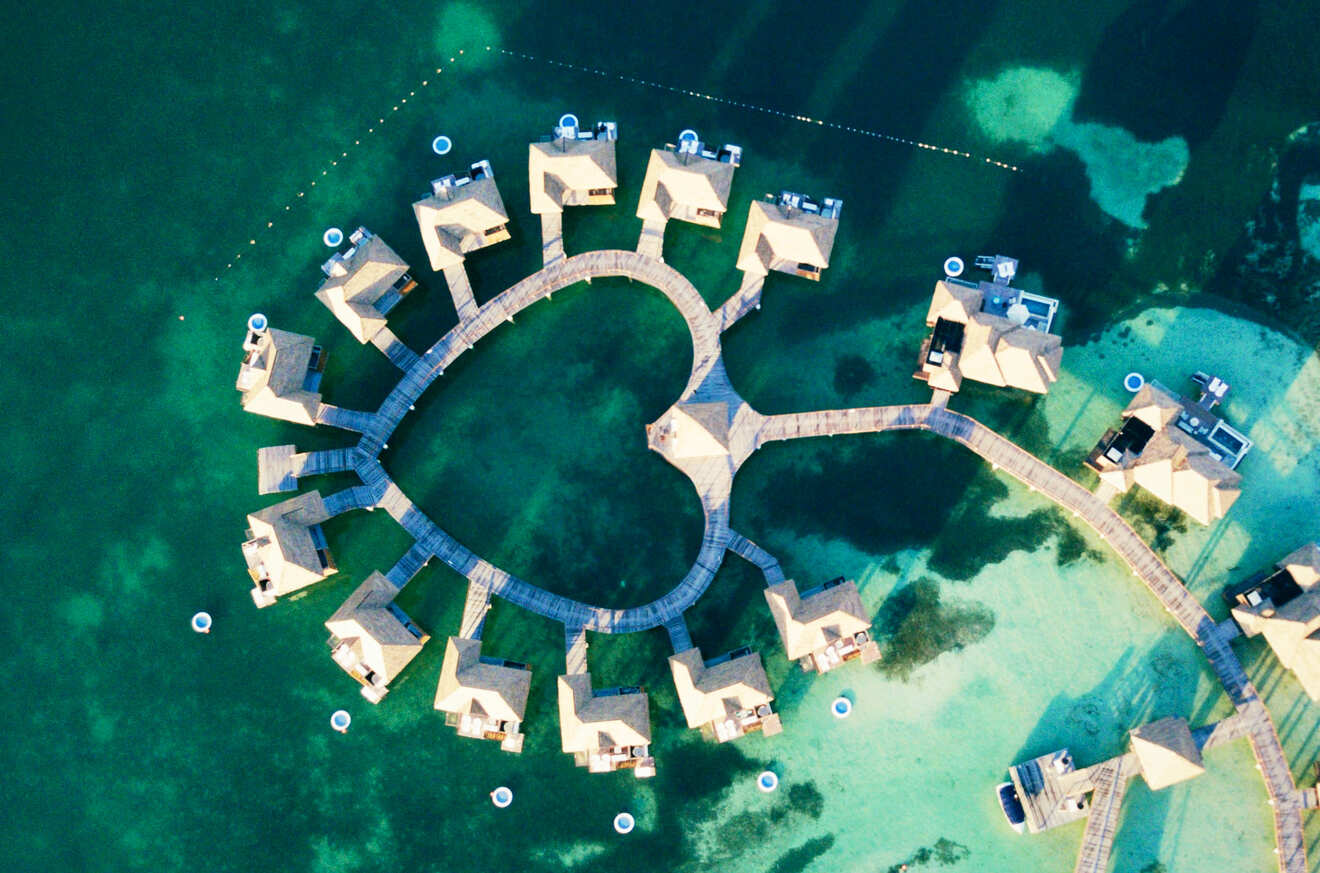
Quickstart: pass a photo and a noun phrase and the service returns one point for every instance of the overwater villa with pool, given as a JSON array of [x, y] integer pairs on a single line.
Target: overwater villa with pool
[[1284, 606], [1176, 448], [989, 332]]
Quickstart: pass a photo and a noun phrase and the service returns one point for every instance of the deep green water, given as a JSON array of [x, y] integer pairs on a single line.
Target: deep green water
[[149, 143]]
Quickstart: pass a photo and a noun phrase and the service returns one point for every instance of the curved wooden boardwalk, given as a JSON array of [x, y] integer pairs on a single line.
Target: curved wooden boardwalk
[[1145, 564], [713, 477]]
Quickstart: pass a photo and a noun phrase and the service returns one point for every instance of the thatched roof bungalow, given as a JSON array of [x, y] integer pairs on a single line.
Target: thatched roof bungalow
[[483, 698], [371, 638], [463, 214], [363, 284], [822, 627], [725, 697], [605, 730], [286, 549]]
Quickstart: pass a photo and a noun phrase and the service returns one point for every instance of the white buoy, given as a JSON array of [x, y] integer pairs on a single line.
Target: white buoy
[[502, 796], [257, 322], [767, 781], [624, 823], [441, 145], [201, 622], [1133, 382], [841, 707], [340, 721], [953, 266], [332, 237]]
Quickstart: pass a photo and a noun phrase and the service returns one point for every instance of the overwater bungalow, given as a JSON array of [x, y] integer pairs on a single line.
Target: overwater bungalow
[[574, 167], [1176, 448], [371, 638], [725, 697], [463, 214], [363, 283], [791, 234], [286, 549], [989, 332], [606, 729], [281, 374], [1284, 606], [823, 626], [483, 698], [688, 182], [1166, 752]]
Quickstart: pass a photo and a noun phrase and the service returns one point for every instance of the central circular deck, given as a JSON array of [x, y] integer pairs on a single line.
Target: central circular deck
[[707, 387]]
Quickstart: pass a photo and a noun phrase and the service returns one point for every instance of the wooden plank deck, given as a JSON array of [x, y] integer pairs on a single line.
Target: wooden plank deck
[[679, 638], [399, 354], [747, 298], [651, 241], [275, 469], [460, 289], [552, 237], [347, 419], [745, 548], [475, 607], [1110, 780], [575, 649]]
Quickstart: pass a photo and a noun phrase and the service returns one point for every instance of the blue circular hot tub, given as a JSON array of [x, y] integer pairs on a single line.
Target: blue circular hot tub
[[441, 145]]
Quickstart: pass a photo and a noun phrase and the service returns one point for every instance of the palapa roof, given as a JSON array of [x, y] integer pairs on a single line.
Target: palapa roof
[[275, 376], [566, 166], [588, 723], [671, 187], [374, 631], [995, 350], [1166, 752], [953, 301], [372, 270], [288, 552], [1173, 466], [776, 237], [699, 430], [714, 693], [1292, 629], [455, 222], [469, 684], [806, 626], [1303, 565]]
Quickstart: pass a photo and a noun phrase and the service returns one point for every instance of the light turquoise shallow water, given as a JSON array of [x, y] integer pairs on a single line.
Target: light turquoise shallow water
[[151, 144]]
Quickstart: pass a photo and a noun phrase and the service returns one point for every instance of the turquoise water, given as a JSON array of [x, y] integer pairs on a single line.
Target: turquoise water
[[150, 145]]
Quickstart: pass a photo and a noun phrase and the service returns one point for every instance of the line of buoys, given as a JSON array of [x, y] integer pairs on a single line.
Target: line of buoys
[[841, 707], [332, 237], [340, 721], [201, 622], [767, 781], [502, 796], [624, 823], [792, 116]]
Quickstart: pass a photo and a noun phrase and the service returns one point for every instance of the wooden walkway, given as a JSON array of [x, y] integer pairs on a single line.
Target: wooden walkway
[[1185, 609], [399, 354], [552, 237], [475, 607], [1110, 780], [280, 467], [460, 288], [745, 548], [651, 241], [713, 476], [744, 301]]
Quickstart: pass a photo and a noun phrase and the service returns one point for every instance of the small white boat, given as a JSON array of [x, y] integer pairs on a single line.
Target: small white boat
[[1012, 806]]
